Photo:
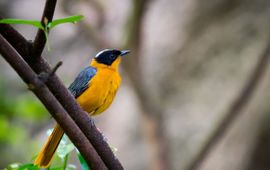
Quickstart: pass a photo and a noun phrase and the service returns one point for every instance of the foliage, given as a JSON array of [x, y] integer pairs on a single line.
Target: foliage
[[63, 152], [30, 110], [83, 162], [19, 117], [48, 26]]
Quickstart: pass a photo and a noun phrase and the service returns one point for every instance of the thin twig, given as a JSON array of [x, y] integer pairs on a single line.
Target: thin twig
[[43, 76], [235, 110], [55, 68], [65, 98], [51, 103], [82, 119], [40, 39]]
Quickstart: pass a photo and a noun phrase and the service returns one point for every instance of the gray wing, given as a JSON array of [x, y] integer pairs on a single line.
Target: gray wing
[[81, 82]]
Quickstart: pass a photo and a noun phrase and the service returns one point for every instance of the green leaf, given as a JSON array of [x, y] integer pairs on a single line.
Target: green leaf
[[13, 166], [71, 167], [22, 21], [65, 147], [64, 150], [71, 19], [28, 167], [57, 168], [47, 39], [65, 162], [83, 163]]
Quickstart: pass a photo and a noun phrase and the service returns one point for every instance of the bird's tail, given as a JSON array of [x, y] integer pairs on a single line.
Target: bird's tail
[[45, 155]]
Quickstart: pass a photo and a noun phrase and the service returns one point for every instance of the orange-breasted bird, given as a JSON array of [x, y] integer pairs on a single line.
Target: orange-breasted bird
[[94, 89]]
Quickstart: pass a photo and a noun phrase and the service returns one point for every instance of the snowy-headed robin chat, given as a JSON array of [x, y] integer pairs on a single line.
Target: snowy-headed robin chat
[[94, 89]]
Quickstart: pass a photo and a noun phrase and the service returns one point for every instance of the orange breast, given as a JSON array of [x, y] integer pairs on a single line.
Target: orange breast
[[101, 91]]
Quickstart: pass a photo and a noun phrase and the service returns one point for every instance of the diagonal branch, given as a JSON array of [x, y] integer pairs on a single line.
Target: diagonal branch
[[235, 110], [40, 39], [15, 39], [40, 65], [64, 97], [52, 105]]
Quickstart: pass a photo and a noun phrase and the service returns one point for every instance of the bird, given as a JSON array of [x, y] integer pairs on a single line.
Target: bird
[[94, 89]]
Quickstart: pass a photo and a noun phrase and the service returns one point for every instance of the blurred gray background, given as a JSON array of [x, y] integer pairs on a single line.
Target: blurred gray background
[[190, 59]]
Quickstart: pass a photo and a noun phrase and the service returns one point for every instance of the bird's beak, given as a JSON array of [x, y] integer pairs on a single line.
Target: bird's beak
[[124, 52]]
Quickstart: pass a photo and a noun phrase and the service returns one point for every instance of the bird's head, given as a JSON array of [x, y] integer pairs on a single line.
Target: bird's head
[[109, 57]]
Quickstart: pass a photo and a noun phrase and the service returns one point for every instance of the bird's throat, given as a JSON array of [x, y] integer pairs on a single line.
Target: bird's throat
[[113, 66]]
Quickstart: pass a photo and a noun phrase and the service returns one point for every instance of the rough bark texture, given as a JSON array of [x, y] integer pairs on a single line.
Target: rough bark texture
[[32, 55], [190, 61]]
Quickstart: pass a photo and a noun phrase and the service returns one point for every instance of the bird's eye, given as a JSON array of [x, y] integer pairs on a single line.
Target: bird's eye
[[112, 57]]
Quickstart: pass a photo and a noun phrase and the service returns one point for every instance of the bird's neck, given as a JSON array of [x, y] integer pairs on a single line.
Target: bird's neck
[[113, 67]]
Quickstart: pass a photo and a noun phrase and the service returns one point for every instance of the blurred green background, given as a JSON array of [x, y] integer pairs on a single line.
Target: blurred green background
[[21, 118], [190, 59]]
